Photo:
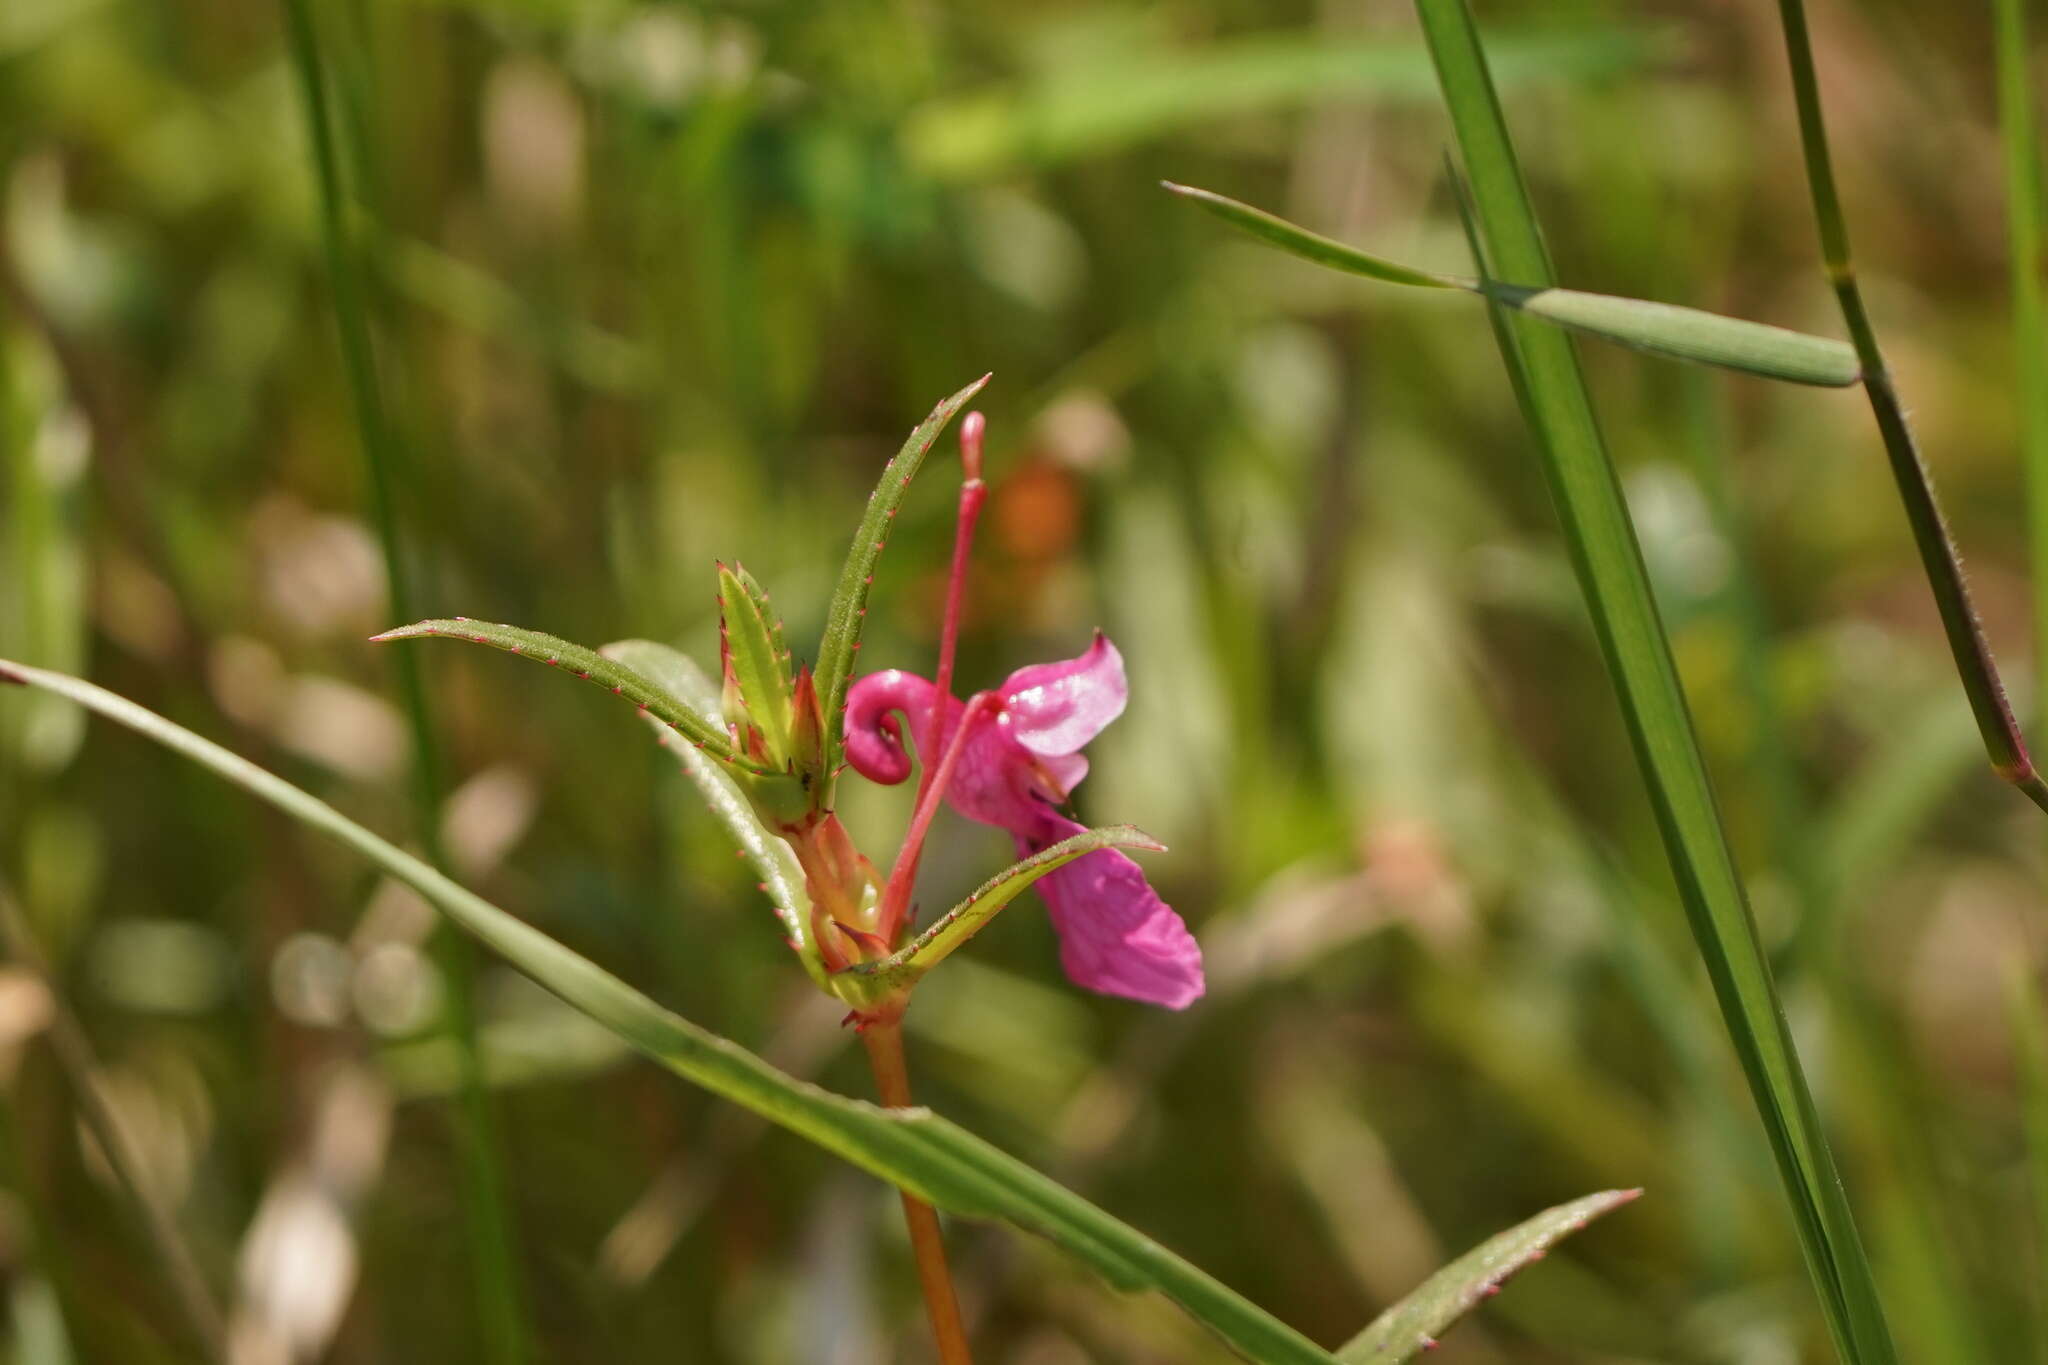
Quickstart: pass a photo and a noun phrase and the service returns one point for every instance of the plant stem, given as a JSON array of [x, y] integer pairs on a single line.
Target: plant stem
[[74, 1054], [1938, 557], [884, 1042], [487, 1212]]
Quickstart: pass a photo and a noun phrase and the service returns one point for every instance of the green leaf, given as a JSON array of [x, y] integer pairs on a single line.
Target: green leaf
[[1310, 246], [1413, 1325], [759, 662], [901, 969], [586, 664], [1659, 328], [843, 619], [1691, 334], [914, 1149], [772, 859], [1609, 565]]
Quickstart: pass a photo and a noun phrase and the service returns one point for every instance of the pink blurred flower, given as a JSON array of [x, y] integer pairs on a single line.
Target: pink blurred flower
[[1019, 760]]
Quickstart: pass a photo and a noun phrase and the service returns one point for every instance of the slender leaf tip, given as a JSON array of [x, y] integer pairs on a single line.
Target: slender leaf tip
[[1296, 240], [838, 647]]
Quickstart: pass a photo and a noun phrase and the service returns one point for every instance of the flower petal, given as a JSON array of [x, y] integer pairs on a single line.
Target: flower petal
[[874, 738], [1054, 709], [1116, 935]]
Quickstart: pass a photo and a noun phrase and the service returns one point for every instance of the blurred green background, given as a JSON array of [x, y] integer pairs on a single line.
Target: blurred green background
[[652, 284]]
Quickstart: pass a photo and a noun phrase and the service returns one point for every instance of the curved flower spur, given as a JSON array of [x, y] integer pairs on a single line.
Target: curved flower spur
[[768, 744]]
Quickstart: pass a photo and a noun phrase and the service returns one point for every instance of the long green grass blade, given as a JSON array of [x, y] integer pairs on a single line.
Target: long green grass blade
[[773, 861], [1659, 328], [2023, 245], [1608, 563], [914, 1149], [587, 664], [1412, 1326], [950, 931], [846, 614]]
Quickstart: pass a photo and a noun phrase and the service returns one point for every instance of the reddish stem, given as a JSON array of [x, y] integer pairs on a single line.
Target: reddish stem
[[973, 492], [903, 876], [884, 1042]]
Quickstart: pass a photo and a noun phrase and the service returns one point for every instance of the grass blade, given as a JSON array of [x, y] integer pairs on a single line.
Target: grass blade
[[1691, 334], [1939, 559], [1664, 329], [1412, 1326], [915, 1149], [2029, 345], [1609, 566], [844, 617]]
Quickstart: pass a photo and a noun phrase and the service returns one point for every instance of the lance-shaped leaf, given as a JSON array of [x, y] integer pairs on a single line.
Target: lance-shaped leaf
[[1413, 1325], [914, 1149], [849, 607], [772, 859], [869, 981], [1670, 329], [586, 664], [753, 645], [1659, 328]]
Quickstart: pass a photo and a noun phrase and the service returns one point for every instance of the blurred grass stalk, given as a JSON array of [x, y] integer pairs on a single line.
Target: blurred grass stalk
[[486, 1210], [1609, 566], [2030, 1040], [1938, 557], [117, 1144]]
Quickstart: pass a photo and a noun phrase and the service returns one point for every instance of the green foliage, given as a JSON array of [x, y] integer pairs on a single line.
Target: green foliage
[[632, 267], [1658, 328], [848, 611], [592, 667], [771, 858], [752, 640], [1412, 1326]]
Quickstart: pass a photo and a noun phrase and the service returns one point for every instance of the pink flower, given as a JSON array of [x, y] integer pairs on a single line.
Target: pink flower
[[1019, 760]]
